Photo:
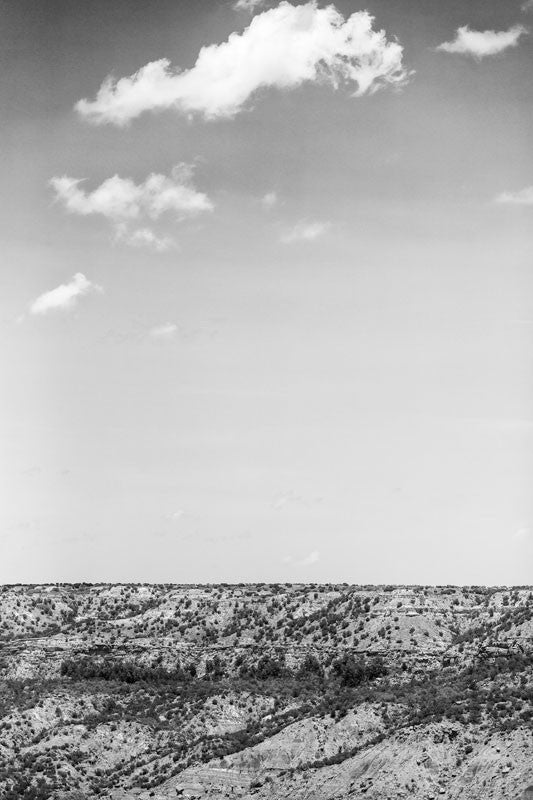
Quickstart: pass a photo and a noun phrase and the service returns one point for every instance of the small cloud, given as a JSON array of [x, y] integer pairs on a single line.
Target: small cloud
[[291, 498], [175, 516], [519, 425], [199, 334], [524, 535], [121, 199], [527, 6], [286, 559], [65, 296], [269, 200], [524, 197], [125, 203], [32, 471], [166, 331], [285, 499], [306, 232], [145, 237], [248, 5], [312, 558], [480, 44]]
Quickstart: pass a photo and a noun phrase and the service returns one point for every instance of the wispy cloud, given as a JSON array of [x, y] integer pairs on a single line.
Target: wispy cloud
[[504, 425], [125, 203], [144, 237], [480, 44], [166, 331], [312, 558], [291, 498], [527, 6], [524, 535], [305, 232], [524, 197], [269, 200], [65, 296], [248, 5], [282, 48]]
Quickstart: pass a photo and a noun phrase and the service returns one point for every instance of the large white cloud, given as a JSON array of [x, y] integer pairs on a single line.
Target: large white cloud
[[64, 296], [125, 203], [482, 43], [524, 197], [283, 47]]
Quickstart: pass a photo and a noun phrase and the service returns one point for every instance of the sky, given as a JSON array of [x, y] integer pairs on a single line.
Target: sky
[[266, 303]]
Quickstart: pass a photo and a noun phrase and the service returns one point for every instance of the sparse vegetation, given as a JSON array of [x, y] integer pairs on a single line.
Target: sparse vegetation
[[109, 688]]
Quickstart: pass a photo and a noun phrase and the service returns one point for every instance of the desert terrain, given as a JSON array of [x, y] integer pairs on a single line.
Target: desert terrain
[[263, 691]]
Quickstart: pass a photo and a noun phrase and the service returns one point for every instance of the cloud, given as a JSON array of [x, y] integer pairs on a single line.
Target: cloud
[[285, 499], [282, 48], [269, 200], [124, 203], [248, 5], [144, 237], [312, 558], [291, 498], [122, 199], [65, 296], [504, 425], [305, 232], [524, 535], [166, 331], [524, 197], [527, 6], [482, 43], [201, 333]]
